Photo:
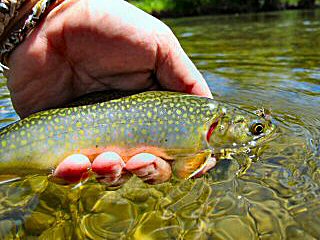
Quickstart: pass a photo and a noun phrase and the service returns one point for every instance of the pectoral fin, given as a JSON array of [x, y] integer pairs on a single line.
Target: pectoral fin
[[4, 179], [189, 166], [245, 162]]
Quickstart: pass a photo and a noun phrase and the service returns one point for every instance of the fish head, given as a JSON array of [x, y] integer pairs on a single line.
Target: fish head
[[229, 133], [239, 134], [236, 128]]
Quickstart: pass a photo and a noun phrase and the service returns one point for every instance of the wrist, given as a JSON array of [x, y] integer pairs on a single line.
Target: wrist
[[18, 19]]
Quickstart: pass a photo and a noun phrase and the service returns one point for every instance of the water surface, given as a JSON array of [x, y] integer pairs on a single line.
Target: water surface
[[260, 60]]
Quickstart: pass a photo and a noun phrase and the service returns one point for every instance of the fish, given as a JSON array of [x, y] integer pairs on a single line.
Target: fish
[[185, 130]]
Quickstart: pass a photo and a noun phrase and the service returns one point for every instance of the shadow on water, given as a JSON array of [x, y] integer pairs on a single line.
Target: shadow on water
[[267, 60]]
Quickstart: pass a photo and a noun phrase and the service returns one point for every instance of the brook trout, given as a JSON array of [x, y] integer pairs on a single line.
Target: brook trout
[[177, 127]]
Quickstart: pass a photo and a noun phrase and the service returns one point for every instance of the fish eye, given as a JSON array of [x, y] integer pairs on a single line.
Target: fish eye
[[257, 128]]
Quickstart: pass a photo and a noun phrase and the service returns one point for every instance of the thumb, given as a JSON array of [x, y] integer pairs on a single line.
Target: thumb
[[174, 69]]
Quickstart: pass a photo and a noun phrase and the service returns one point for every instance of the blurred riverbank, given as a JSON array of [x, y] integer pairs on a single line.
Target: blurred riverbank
[[181, 8]]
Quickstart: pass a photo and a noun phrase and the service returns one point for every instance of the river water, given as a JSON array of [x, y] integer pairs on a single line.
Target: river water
[[267, 60]]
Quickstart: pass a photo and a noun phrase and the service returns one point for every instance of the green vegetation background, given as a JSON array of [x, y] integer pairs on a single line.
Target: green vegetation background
[[197, 7]]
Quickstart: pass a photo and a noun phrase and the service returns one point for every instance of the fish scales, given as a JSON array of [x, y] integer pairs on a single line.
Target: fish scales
[[168, 121]]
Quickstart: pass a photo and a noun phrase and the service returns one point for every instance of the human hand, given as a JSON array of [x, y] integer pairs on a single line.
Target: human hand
[[83, 46]]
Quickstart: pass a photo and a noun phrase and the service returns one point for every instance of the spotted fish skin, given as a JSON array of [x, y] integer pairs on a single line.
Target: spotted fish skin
[[173, 123]]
